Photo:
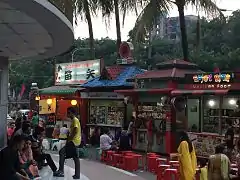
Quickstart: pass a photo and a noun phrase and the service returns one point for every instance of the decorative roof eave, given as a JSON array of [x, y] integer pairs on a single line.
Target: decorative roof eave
[[60, 90]]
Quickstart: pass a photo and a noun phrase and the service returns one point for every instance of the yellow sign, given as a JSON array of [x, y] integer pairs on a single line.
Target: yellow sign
[[45, 108]]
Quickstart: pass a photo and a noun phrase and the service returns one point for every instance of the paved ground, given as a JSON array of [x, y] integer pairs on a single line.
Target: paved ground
[[93, 170]]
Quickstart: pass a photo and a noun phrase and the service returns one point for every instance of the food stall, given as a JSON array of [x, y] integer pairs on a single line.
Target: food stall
[[67, 91], [211, 100], [152, 98], [107, 108]]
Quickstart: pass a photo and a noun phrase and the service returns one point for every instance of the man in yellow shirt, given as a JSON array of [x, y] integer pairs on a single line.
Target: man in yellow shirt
[[70, 150]]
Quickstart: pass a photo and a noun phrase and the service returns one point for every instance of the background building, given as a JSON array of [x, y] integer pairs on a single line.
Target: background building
[[169, 27]]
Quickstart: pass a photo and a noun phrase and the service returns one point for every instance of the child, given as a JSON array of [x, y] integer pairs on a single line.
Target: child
[[27, 162], [203, 169]]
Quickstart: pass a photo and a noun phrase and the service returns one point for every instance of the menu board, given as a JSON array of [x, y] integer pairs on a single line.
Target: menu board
[[107, 112], [115, 115], [99, 114], [158, 114], [205, 144]]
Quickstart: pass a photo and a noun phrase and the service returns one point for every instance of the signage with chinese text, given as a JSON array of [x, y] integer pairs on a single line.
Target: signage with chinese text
[[45, 108], [213, 78], [77, 72]]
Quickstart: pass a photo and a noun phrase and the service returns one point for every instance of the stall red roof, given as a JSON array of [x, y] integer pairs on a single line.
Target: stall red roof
[[177, 61], [164, 73]]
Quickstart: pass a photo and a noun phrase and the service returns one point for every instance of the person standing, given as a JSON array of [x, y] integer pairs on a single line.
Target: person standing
[[130, 130], [229, 138], [35, 119], [187, 158], [70, 150], [218, 165]]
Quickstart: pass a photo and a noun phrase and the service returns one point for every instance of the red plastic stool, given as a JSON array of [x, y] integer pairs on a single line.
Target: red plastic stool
[[151, 154], [109, 159], [129, 163], [160, 171], [126, 152], [173, 162], [117, 160], [169, 174], [161, 161], [151, 163], [139, 160]]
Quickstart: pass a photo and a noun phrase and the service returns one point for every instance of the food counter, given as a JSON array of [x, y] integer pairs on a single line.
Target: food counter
[[157, 113]]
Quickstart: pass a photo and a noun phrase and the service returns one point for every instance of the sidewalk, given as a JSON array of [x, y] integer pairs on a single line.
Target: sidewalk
[[46, 174]]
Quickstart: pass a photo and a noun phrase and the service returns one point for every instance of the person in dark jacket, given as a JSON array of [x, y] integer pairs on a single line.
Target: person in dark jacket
[[124, 142]]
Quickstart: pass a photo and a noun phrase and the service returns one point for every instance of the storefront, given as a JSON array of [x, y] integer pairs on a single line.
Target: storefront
[[107, 108], [211, 99], [67, 91], [53, 104], [152, 101]]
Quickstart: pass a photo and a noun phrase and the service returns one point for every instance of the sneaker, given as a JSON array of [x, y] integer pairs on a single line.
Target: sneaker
[[76, 177], [58, 174]]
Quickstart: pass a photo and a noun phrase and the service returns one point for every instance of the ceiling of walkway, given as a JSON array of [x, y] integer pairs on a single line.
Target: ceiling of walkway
[[33, 30]]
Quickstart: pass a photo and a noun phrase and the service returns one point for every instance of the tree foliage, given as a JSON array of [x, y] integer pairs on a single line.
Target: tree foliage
[[219, 45]]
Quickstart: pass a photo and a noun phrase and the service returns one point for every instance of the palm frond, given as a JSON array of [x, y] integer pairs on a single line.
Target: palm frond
[[207, 6], [129, 6], [145, 20]]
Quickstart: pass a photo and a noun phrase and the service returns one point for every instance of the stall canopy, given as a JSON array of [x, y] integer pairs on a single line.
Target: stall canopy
[[199, 92], [114, 76], [60, 90], [150, 91]]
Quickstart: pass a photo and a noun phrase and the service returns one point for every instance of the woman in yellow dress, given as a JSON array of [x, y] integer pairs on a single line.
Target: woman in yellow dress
[[187, 158]]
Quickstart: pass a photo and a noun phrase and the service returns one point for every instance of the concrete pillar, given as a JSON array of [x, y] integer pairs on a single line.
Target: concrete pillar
[[3, 100]]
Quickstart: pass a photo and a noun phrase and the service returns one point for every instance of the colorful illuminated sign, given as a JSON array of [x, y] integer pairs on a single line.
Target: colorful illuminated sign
[[213, 78], [77, 72]]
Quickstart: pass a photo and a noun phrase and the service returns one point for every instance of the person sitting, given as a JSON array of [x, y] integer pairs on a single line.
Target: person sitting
[[218, 165], [64, 131], [38, 154], [124, 142], [56, 132], [106, 143], [25, 130], [9, 162], [27, 161]]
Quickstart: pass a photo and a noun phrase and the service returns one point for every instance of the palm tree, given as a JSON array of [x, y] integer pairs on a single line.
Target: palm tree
[[156, 8], [85, 9]]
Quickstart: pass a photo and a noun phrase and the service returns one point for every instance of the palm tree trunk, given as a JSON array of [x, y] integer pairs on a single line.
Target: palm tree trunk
[[90, 28], [118, 28], [68, 10], [183, 31]]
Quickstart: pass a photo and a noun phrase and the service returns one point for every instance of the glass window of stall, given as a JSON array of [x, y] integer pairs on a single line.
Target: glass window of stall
[[211, 114], [230, 112], [193, 114]]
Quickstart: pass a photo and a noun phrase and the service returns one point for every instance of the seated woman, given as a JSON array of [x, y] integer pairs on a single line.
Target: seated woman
[[26, 160], [106, 143], [218, 165], [124, 142]]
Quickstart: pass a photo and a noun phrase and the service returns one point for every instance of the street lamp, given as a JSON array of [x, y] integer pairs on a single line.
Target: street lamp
[[78, 49]]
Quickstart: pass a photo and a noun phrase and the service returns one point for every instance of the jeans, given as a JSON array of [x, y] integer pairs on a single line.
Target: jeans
[[69, 151], [41, 157]]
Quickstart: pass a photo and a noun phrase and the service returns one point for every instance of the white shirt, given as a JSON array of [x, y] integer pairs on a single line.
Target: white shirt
[[105, 142], [130, 128]]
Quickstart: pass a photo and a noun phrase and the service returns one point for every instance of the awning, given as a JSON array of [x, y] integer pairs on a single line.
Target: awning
[[59, 90], [199, 92], [150, 91]]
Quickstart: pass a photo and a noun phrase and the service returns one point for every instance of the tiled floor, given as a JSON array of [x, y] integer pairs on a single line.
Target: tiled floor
[[46, 174]]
